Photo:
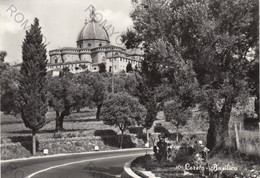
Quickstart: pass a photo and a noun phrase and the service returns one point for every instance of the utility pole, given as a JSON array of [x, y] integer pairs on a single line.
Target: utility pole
[[112, 73]]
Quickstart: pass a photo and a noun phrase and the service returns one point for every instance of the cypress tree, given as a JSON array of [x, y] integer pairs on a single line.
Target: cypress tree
[[32, 86], [102, 68], [129, 67]]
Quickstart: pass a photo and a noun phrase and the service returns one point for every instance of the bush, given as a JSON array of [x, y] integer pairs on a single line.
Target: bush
[[184, 155], [71, 135], [143, 161], [57, 135], [107, 132], [136, 130], [250, 143], [78, 144], [160, 129]]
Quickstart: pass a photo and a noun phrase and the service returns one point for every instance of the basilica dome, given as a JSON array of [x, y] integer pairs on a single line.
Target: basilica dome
[[93, 31]]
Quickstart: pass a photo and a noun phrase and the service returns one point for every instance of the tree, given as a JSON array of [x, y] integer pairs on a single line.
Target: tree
[[131, 39], [3, 65], [214, 37], [102, 68], [146, 97], [3, 54], [129, 67], [98, 95], [176, 114], [32, 83], [122, 83], [97, 88], [64, 93], [122, 110], [9, 80]]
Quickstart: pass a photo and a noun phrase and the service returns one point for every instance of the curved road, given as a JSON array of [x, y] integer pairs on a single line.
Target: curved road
[[96, 164]]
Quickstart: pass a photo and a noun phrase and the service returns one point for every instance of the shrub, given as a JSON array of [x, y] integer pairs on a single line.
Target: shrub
[[106, 132], [57, 135], [184, 155], [160, 129], [250, 143], [142, 161], [136, 130], [71, 135], [78, 144]]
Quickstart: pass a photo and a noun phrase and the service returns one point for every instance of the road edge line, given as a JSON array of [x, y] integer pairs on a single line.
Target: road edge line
[[76, 162], [67, 154]]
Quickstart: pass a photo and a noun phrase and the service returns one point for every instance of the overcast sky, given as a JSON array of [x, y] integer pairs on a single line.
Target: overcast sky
[[61, 21]]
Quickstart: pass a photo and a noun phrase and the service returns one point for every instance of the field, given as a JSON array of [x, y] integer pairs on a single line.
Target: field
[[84, 122], [81, 133]]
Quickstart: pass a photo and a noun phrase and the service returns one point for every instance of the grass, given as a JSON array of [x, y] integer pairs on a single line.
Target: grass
[[81, 130], [246, 165], [250, 142], [83, 122]]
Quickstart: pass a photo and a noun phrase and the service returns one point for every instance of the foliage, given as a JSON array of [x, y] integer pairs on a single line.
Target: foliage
[[212, 38], [97, 88], [122, 83], [32, 83], [131, 39], [102, 68], [9, 90], [3, 65], [160, 129], [122, 110], [3, 54], [129, 67], [147, 80], [64, 93], [176, 114]]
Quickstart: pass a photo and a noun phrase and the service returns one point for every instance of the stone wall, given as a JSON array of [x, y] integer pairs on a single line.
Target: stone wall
[[22, 148]]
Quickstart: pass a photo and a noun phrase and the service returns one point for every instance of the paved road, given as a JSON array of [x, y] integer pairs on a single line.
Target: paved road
[[97, 164]]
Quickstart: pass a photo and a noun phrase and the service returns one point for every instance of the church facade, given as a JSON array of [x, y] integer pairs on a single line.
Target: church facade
[[93, 48]]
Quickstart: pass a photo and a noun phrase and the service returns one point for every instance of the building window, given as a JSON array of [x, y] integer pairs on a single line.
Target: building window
[[95, 68], [89, 45], [56, 61], [100, 45]]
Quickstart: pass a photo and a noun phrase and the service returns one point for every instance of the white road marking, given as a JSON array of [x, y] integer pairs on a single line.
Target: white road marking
[[66, 164]]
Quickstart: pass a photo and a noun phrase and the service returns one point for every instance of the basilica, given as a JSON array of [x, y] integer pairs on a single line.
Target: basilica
[[93, 48]]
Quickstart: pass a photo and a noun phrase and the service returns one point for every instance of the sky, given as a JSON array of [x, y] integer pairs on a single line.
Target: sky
[[61, 22]]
